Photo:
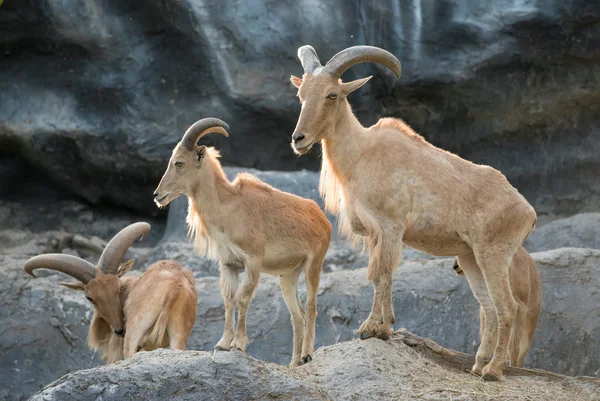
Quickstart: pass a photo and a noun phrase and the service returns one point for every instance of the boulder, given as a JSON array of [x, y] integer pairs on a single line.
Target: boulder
[[578, 231], [96, 94], [46, 324], [353, 370]]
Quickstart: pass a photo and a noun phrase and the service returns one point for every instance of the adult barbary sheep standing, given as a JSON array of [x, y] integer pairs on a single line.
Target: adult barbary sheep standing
[[155, 310], [527, 291], [249, 225], [389, 185]]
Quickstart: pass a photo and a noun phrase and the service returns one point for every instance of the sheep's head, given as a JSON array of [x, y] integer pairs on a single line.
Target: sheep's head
[[101, 284], [323, 94], [187, 161]]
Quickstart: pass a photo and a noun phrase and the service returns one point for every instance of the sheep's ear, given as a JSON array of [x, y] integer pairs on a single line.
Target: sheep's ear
[[125, 267], [349, 87], [77, 285], [200, 152], [297, 82]]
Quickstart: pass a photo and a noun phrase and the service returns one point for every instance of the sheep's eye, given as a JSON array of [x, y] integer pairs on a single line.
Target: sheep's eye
[[332, 96], [178, 164], [90, 299]]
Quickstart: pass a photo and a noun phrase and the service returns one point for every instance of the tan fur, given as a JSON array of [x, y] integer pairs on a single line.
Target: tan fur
[[526, 288], [389, 186], [249, 225], [148, 304], [160, 309]]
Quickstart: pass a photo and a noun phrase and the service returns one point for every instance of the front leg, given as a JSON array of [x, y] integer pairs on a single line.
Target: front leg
[[229, 286], [242, 299], [385, 253]]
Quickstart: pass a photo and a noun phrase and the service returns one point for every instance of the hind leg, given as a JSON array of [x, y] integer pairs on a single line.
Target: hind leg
[[495, 269], [313, 277], [289, 289], [488, 325]]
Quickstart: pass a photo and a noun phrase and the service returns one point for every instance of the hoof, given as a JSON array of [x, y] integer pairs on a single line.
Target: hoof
[[305, 359], [490, 378], [489, 373], [221, 348], [366, 334], [384, 335], [476, 370], [373, 328], [239, 344]]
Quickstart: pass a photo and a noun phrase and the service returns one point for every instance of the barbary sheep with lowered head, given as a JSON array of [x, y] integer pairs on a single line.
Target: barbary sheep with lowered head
[[155, 310]]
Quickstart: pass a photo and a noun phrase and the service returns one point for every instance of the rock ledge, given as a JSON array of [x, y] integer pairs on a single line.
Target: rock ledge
[[405, 367]]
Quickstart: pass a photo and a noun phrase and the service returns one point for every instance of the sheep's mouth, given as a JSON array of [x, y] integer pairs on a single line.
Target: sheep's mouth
[[159, 200], [302, 150]]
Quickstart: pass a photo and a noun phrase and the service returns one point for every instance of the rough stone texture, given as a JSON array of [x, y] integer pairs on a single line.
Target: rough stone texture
[[355, 370], [29, 202], [579, 231], [429, 299], [96, 93], [43, 331]]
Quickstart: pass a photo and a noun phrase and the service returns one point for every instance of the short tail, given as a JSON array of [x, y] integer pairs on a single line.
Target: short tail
[[532, 229], [160, 326]]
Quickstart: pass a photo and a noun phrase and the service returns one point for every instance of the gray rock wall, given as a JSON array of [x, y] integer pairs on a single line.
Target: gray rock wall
[[96, 94], [579, 231]]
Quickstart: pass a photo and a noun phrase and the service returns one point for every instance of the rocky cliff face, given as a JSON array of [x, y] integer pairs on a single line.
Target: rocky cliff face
[[96, 94]]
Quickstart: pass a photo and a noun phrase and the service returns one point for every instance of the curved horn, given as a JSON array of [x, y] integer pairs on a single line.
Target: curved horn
[[201, 128], [118, 245], [309, 59], [362, 54], [75, 267]]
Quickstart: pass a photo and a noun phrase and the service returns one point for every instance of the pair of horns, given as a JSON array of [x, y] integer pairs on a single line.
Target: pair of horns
[[83, 270], [346, 59], [201, 128]]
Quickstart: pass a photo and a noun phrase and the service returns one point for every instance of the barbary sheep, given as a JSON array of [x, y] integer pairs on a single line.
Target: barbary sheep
[[248, 225], [155, 310], [527, 290], [390, 186]]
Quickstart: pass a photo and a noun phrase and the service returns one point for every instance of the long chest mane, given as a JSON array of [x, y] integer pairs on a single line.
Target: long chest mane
[[334, 196], [209, 241]]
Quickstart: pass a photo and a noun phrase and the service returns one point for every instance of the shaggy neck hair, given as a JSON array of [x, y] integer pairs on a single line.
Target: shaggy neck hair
[[204, 200]]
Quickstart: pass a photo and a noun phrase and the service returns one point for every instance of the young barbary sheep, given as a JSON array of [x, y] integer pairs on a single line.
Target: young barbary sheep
[[247, 224], [389, 185], [155, 310], [526, 288]]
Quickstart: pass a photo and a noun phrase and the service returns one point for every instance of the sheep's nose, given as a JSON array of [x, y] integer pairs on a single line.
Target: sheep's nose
[[120, 332], [155, 194], [297, 137]]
